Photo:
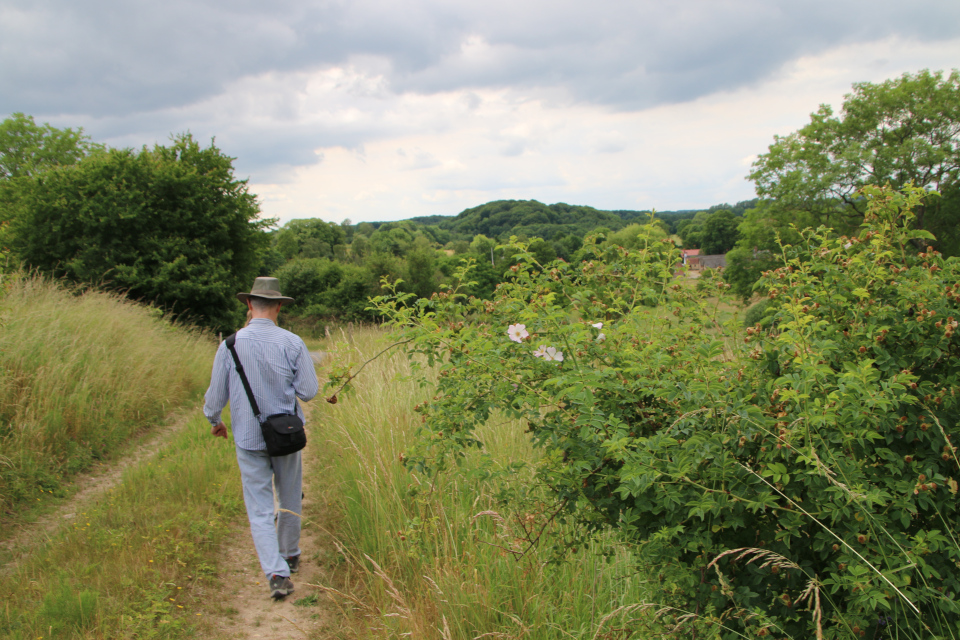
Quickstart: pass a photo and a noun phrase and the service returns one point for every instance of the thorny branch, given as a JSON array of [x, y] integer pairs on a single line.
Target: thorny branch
[[333, 398]]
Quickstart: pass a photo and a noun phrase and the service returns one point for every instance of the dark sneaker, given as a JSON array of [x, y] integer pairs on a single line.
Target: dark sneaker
[[280, 587], [294, 563]]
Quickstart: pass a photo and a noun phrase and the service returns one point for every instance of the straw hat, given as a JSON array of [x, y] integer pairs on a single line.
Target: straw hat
[[266, 288]]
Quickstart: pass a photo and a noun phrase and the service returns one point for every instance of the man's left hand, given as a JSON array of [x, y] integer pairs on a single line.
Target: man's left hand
[[219, 431]]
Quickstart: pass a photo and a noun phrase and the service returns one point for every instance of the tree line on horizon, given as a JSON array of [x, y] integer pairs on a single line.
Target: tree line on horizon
[[173, 226], [334, 268]]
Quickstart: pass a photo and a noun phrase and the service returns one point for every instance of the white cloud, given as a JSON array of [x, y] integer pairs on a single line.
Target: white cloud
[[513, 145]]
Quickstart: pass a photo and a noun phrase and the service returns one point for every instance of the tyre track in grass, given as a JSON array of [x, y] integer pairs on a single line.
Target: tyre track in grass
[[19, 539]]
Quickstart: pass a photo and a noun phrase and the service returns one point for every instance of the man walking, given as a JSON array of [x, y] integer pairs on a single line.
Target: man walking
[[279, 370]]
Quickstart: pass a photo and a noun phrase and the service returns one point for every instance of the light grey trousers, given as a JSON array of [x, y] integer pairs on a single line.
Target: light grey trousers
[[274, 541]]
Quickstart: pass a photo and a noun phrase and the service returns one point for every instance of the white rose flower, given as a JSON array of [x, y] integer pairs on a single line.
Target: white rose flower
[[552, 355], [517, 332]]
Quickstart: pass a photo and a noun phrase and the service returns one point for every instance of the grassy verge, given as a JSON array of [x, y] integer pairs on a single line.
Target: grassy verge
[[135, 563], [80, 374], [437, 557]]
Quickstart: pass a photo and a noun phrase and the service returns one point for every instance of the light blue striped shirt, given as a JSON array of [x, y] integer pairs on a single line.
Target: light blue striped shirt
[[279, 369]]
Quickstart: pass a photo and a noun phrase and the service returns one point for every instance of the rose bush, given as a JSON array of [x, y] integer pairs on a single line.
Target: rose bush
[[796, 478]]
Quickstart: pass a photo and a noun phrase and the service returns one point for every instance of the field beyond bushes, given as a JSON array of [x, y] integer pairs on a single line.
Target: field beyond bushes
[[81, 373]]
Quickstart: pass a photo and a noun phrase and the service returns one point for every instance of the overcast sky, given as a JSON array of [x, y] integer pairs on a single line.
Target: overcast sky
[[377, 110]]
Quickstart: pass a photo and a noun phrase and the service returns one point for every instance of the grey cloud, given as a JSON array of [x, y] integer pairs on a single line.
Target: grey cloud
[[107, 57], [611, 147], [636, 55], [639, 54], [513, 149], [418, 159], [125, 67]]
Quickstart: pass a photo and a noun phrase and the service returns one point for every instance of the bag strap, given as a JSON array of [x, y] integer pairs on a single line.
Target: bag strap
[[231, 341]]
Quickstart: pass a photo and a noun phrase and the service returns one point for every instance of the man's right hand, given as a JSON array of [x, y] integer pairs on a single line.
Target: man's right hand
[[219, 431]]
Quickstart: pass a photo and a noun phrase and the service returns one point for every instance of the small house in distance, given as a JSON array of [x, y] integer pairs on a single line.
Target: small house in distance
[[699, 263], [689, 253]]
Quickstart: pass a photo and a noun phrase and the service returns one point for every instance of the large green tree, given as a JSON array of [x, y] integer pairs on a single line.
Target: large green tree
[[904, 130], [169, 225], [27, 148], [691, 231], [719, 232], [309, 238], [421, 271]]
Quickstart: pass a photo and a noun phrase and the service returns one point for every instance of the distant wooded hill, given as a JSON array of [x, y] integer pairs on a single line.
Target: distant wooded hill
[[503, 218]]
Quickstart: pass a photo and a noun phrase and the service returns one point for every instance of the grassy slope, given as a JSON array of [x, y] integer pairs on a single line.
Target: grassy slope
[[80, 374], [136, 562]]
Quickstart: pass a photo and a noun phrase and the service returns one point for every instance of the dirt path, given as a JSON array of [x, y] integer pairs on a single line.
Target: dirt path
[[87, 488], [242, 607]]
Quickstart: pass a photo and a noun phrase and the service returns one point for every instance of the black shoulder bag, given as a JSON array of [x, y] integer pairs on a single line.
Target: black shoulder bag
[[283, 432]]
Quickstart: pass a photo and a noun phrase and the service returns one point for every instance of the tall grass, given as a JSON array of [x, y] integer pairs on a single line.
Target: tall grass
[[432, 565], [79, 374], [134, 564]]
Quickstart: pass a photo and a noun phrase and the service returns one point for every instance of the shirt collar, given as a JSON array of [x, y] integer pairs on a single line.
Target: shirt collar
[[262, 321]]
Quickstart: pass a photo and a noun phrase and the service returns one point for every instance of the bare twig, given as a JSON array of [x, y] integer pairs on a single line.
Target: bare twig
[[516, 554], [332, 398], [534, 542]]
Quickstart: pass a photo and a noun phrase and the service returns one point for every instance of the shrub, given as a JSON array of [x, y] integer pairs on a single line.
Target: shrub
[[169, 226], [797, 481], [707, 281], [756, 313], [743, 270], [327, 289]]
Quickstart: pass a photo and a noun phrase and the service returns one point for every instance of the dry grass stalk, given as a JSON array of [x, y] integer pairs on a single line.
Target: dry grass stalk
[[492, 514], [625, 609], [831, 476], [403, 610], [813, 591], [768, 558], [330, 590], [298, 627]]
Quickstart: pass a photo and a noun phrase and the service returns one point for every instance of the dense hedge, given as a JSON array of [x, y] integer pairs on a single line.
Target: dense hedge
[[797, 478]]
